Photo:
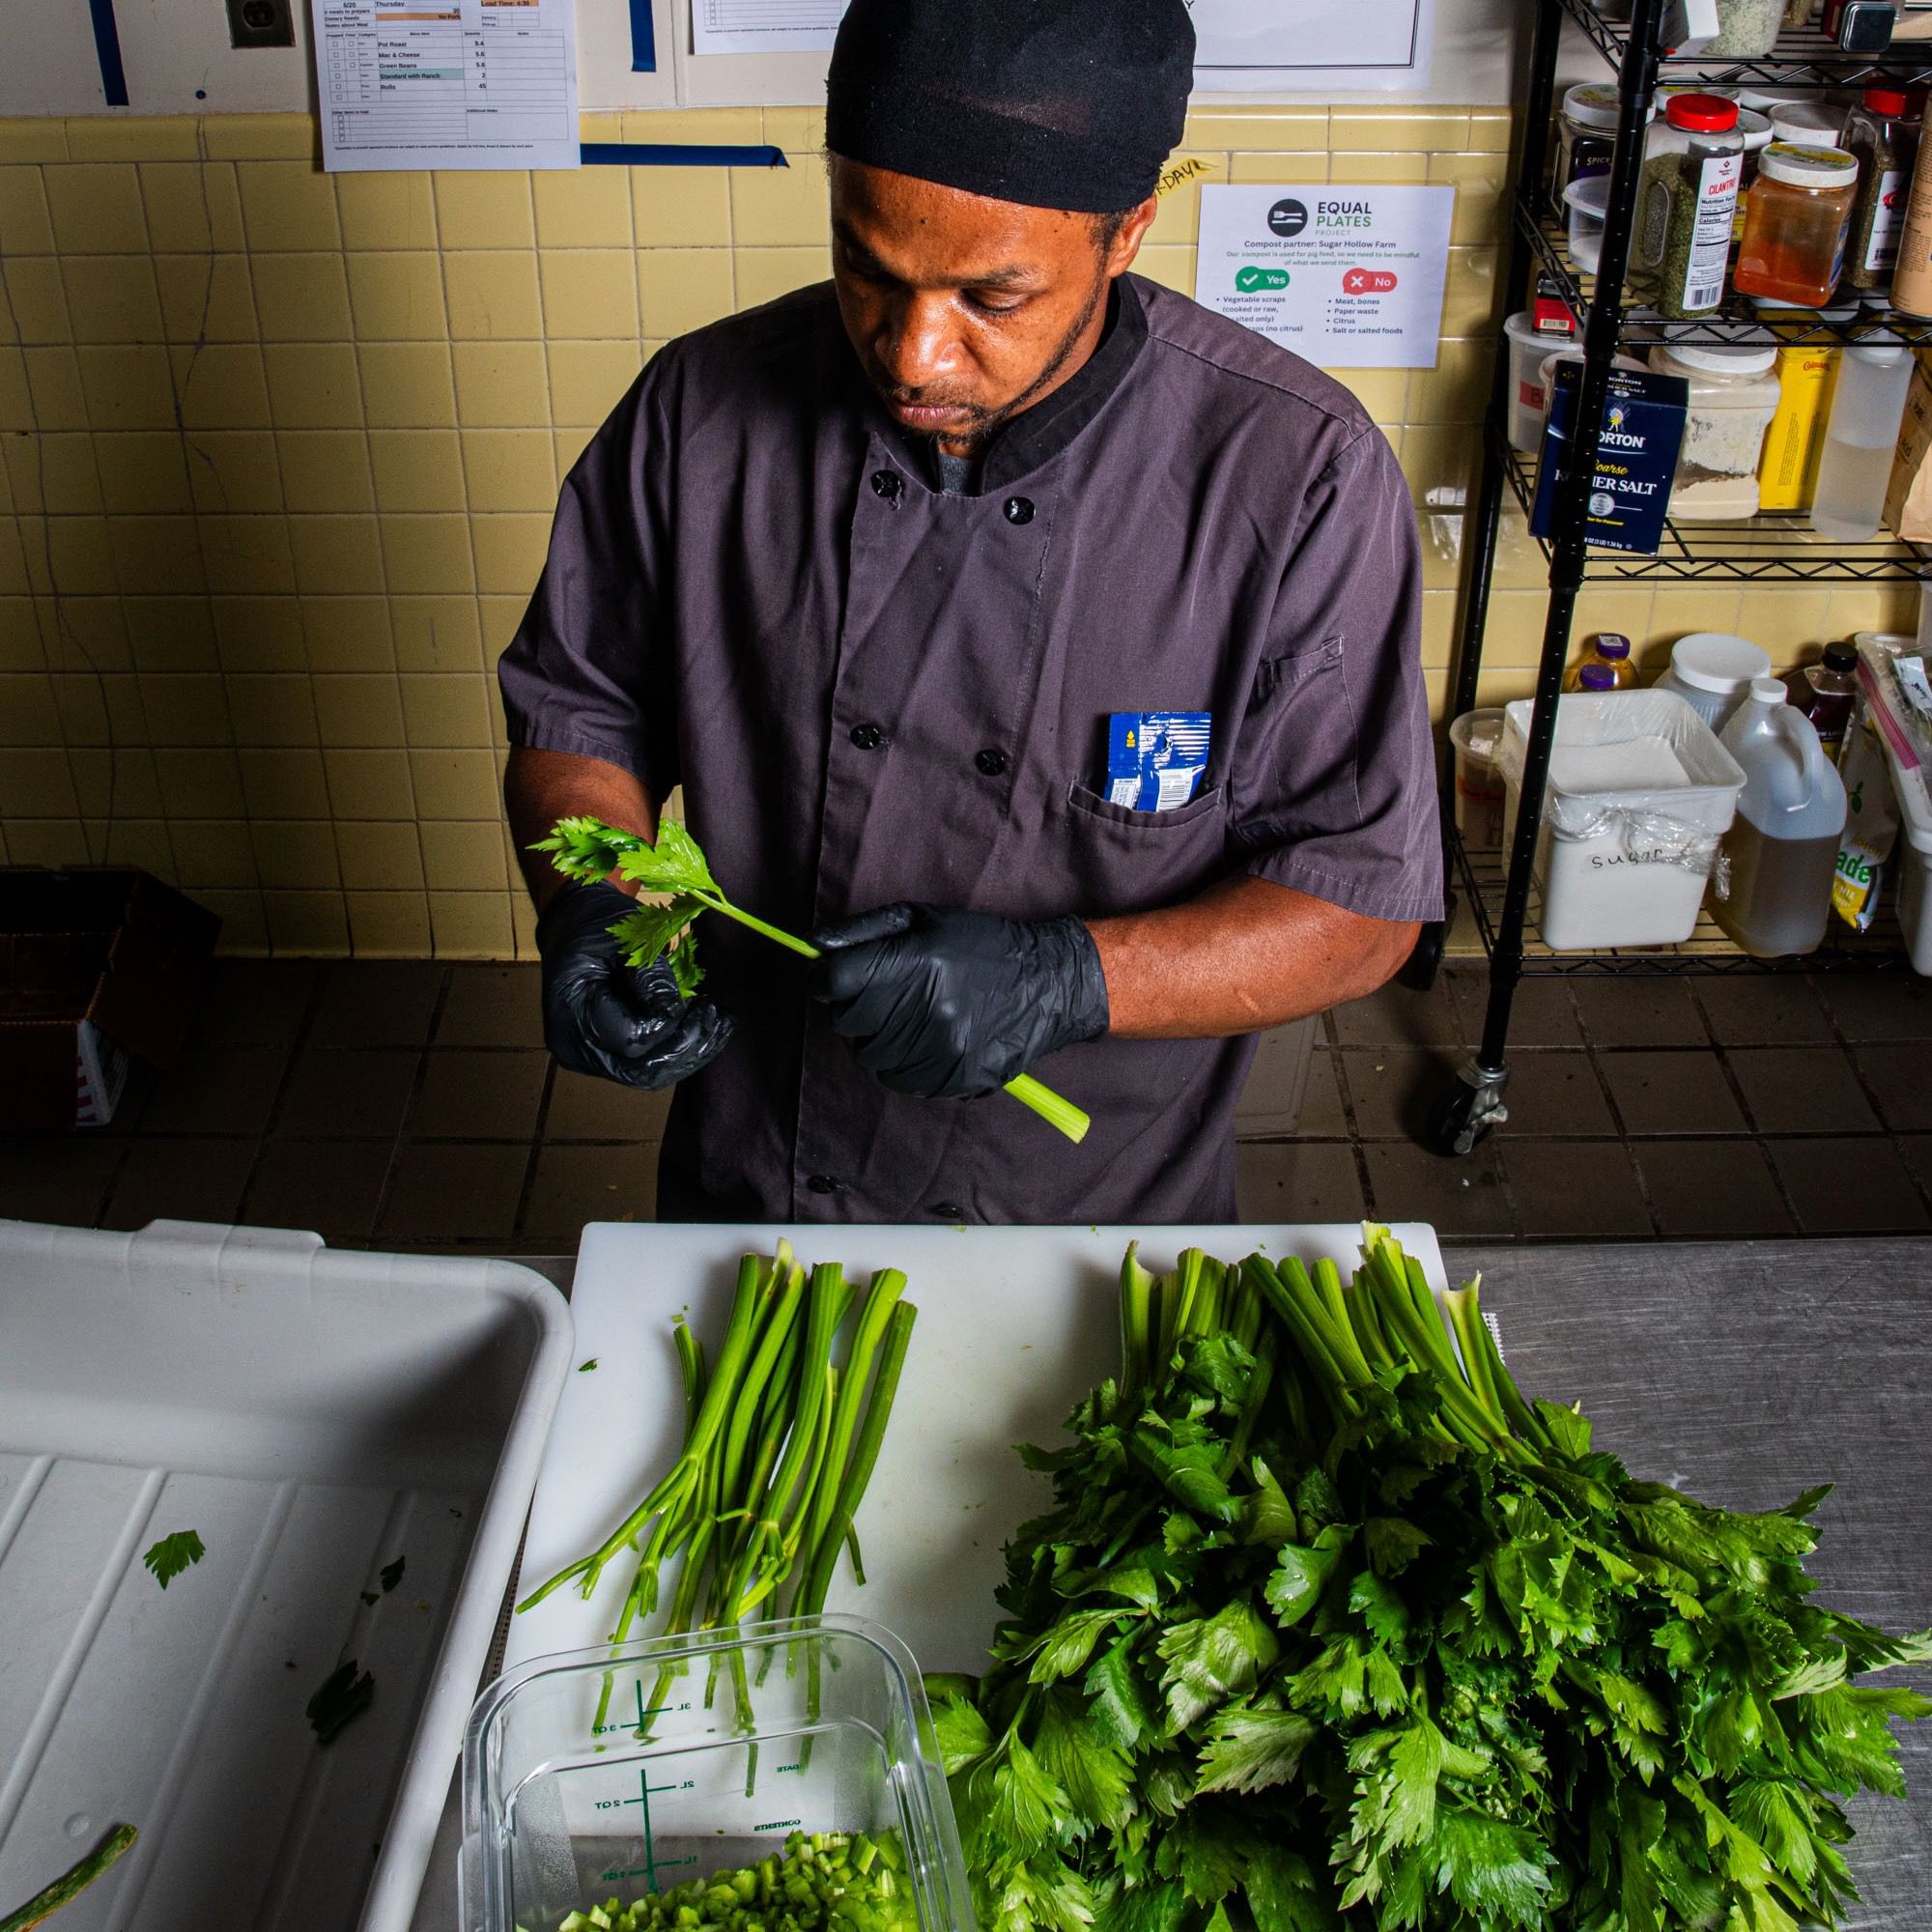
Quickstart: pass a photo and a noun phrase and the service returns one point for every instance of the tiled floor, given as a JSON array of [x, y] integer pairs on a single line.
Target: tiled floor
[[413, 1105]]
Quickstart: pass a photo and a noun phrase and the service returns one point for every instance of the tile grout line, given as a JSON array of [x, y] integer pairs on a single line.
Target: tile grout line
[[385, 1193], [304, 1026]]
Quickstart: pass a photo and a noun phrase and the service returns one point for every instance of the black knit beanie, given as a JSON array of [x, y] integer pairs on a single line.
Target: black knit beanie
[[1055, 103]]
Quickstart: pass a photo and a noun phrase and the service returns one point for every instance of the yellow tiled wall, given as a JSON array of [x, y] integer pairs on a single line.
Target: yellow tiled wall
[[280, 451]]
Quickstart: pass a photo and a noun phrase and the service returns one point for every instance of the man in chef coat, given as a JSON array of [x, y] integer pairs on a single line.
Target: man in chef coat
[[869, 570]]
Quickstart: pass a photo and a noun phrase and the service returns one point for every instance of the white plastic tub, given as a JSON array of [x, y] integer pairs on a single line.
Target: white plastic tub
[[1912, 856], [1640, 793], [312, 1416]]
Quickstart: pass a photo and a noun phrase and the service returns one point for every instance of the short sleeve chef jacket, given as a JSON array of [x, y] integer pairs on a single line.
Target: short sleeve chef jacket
[[871, 689]]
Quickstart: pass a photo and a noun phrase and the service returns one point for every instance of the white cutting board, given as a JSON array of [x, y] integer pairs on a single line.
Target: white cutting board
[[1015, 1325]]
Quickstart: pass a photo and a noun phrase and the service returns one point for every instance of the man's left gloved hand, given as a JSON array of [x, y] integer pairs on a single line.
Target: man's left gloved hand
[[945, 1003]]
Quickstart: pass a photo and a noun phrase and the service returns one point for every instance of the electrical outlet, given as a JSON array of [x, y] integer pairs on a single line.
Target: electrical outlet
[[261, 23]]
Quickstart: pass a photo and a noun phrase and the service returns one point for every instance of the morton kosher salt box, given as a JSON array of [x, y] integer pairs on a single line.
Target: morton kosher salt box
[[1636, 456]]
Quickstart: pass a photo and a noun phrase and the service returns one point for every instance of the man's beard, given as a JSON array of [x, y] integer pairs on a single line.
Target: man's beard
[[983, 424]]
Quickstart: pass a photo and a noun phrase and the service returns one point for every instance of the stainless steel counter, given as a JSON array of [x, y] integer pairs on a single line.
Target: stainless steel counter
[[1745, 1373]]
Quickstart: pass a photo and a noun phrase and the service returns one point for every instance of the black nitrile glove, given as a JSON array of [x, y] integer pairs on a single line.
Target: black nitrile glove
[[954, 1004], [623, 1023]]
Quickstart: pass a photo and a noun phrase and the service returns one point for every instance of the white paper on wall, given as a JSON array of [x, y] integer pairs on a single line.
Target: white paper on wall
[[1346, 277], [448, 83], [1242, 46]]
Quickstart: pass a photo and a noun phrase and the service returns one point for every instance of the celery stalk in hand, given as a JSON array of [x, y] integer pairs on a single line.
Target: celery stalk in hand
[[588, 849]]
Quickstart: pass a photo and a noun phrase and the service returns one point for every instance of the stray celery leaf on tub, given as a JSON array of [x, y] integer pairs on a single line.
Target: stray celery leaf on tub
[[590, 850], [173, 1554]]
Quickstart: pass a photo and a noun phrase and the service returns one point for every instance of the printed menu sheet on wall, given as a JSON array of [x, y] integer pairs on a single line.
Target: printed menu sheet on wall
[[448, 83], [1346, 277]]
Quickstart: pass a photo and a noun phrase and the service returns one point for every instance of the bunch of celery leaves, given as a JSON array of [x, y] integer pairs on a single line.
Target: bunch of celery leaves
[[781, 1439], [1329, 1626], [587, 849]]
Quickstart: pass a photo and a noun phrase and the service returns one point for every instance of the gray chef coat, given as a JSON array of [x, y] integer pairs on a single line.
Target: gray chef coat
[[873, 690]]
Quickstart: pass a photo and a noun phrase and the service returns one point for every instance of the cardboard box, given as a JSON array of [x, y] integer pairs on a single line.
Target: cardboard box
[[96, 964], [1636, 456], [1908, 498]]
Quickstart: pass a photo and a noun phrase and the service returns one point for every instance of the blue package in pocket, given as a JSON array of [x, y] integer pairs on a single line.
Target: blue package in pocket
[[1155, 758]]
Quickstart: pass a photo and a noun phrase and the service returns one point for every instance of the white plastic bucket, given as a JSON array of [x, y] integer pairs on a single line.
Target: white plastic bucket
[[1640, 793], [1477, 738], [1711, 671]]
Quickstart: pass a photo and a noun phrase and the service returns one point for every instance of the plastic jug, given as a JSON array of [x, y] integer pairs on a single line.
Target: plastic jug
[[1772, 890]]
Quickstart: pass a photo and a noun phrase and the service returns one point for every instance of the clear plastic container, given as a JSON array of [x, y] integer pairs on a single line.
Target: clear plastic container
[[1528, 406], [1883, 138], [1772, 888], [1475, 738], [1693, 159], [1860, 439], [1793, 248], [1586, 208], [626, 1771], [1710, 672], [1733, 394]]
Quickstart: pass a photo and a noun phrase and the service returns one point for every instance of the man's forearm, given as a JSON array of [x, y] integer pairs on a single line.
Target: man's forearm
[[1244, 955], [540, 787]]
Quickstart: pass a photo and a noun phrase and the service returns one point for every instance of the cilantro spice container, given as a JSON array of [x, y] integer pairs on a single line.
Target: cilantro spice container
[[1686, 198], [1801, 213], [1884, 137]]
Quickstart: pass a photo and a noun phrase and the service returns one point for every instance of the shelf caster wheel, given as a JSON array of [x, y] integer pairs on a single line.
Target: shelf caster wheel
[[1419, 970], [1471, 1106]]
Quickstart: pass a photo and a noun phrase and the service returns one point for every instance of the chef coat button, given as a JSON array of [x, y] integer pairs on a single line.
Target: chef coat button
[[990, 762], [886, 483], [947, 1210], [1019, 509], [868, 737], [821, 1183]]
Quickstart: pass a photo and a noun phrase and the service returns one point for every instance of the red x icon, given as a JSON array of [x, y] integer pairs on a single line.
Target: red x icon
[[1367, 282]]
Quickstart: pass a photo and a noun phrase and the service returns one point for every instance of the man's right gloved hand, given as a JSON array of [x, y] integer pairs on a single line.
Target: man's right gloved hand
[[623, 1023]]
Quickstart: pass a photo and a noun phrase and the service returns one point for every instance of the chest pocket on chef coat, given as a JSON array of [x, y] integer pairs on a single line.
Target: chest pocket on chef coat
[[1125, 860], [1281, 677]]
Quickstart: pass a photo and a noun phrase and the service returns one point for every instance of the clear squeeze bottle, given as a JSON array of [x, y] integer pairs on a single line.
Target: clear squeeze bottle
[[1861, 437]]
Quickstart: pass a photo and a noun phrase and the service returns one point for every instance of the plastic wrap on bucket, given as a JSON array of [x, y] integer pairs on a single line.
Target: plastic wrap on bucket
[[1640, 791]]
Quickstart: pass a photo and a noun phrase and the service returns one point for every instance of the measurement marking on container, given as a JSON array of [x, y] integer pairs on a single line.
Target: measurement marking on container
[[688, 1784], [779, 1825]]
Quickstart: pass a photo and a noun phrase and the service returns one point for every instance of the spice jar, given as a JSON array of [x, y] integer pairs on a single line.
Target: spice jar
[[1734, 393], [1747, 29], [1809, 124], [1686, 198], [1801, 211], [1585, 135], [1884, 139]]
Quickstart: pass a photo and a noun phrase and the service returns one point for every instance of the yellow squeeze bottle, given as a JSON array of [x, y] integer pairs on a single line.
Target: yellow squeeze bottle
[[1787, 476]]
